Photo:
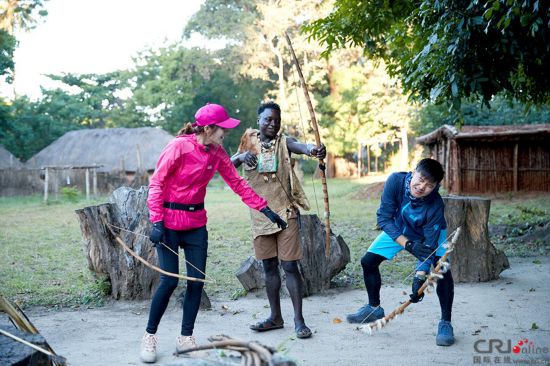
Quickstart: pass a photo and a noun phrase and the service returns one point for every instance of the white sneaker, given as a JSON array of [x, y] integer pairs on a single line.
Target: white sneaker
[[185, 342], [149, 348]]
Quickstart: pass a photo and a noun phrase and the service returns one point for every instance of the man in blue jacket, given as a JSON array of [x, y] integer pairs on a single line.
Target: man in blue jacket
[[411, 215]]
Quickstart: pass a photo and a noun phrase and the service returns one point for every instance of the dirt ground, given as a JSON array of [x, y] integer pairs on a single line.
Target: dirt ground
[[506, 309]]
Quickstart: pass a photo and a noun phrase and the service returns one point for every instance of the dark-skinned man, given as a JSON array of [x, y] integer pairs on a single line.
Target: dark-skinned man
[[269, 172]]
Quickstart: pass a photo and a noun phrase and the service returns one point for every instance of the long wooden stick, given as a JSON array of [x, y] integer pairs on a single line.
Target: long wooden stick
[[322, 166], [152, 266]]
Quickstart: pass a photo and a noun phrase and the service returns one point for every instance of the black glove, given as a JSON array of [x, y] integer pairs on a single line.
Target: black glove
[[273, 217], [157, 232], [318, 152], [418, 281], [419, 250], [249, 159]]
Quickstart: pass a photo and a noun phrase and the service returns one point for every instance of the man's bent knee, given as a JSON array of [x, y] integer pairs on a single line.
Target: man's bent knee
[[290, 266], [270, 265]]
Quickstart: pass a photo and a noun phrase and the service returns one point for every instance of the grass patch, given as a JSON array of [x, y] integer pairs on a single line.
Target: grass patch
[[41, 256], [520, 227]]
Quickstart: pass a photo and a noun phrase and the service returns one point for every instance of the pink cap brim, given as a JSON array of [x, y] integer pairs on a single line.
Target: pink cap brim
[[229, 123]]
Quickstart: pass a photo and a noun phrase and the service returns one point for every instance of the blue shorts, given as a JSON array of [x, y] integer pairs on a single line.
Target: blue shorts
[[384, 245]]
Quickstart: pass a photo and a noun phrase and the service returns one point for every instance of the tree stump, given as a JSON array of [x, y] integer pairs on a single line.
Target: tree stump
[[128, 214], [316, 269], [251, 274], [474, 259], [205, 303]]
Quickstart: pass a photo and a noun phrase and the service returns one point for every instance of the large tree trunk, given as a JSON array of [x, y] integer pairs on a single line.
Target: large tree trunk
[[316, 269], [474, 258], [129, 278], [127, 210]]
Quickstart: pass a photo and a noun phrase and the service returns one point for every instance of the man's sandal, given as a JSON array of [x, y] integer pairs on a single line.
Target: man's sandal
[[266, 325], [303, 331]]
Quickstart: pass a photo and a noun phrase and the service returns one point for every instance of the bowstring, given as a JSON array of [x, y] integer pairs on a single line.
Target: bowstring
[[167, 247], [305, 136]]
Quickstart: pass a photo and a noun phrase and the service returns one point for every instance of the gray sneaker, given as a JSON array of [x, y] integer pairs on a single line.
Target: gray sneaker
[[366, 314]]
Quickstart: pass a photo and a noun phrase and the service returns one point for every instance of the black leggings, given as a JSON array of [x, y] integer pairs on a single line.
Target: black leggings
[[373, 282], [195, 247]]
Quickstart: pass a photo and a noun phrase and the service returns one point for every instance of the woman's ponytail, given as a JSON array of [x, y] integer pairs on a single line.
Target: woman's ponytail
[[189, 129]]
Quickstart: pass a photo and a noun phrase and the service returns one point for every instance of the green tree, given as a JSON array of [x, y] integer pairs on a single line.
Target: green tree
[[445, 50], [7, 47], [27, 126], [16, 15], [20, 14], [170, 84], [94, 94], [349, 110]]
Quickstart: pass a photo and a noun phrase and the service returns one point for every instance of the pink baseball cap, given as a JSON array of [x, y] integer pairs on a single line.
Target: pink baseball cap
[[215, 114]]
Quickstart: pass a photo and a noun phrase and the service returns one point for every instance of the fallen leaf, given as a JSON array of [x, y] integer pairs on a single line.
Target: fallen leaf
[[336, 321], [534, 326]]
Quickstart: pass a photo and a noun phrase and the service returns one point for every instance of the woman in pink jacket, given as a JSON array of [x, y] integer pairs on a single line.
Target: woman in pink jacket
[[176, 208]]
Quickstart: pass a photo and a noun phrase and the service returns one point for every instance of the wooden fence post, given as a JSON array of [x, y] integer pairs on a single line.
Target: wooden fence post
[[515, 173], [94, 181], [87, 183], [46, 179]]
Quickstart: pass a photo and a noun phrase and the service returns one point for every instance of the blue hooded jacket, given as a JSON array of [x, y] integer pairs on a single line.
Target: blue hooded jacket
[[420, 220]]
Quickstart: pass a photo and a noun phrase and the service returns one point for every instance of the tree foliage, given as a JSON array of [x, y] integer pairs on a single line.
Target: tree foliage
[[16, 14], [7, 47], [445, 50], [164, 89], [27, 126], [21, 14]]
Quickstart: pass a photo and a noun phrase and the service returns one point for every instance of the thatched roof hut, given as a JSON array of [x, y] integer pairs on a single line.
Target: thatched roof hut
[[488, 159], [115, 149], [7, 160]]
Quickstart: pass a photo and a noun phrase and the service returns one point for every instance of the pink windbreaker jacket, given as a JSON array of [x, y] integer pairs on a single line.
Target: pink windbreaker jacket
[[183, 171]]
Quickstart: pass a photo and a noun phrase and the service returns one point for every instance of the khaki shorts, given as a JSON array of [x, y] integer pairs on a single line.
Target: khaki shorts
[[283, 244]]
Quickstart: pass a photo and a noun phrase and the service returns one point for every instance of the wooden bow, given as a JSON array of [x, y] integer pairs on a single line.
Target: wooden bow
[[152, 266], [322, 166]]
